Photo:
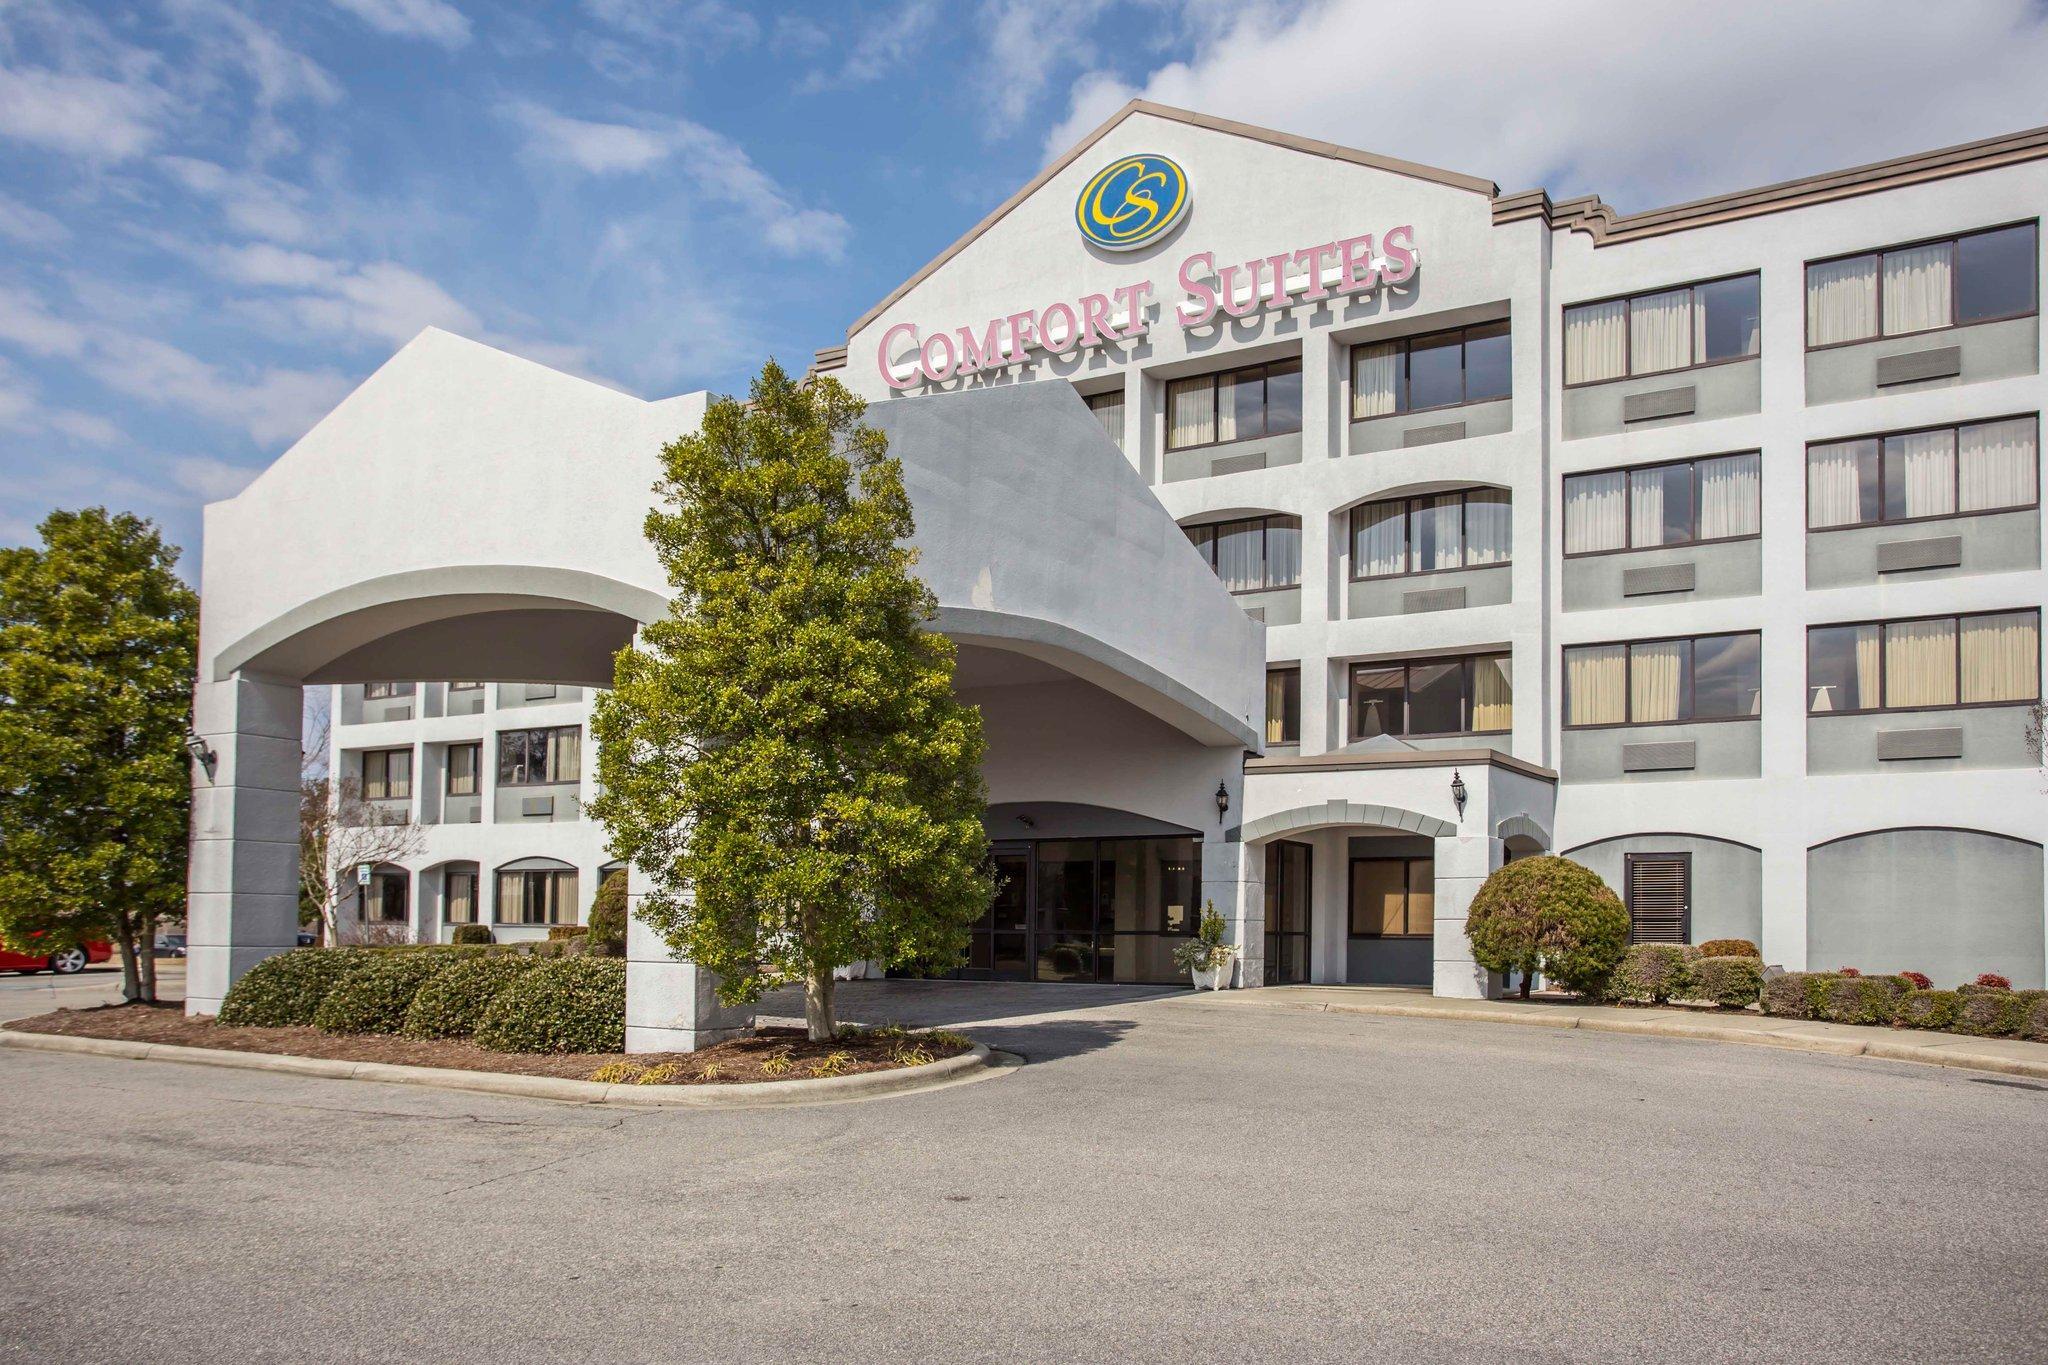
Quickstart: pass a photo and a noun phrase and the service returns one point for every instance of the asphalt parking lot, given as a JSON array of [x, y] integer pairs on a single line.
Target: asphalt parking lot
[[1168, 1178]]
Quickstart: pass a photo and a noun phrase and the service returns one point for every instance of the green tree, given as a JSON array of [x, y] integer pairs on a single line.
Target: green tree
[[1549, 915], [783, 753], [98, 641]]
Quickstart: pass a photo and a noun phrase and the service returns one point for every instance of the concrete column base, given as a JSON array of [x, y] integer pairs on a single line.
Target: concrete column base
[[671, 1005], [1233, 878], [1463, 863]]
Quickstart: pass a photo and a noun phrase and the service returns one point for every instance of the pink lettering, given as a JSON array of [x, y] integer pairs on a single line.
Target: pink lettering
[[1276, 291], [1094, 319], [1400, 251], [1197, 289], [882, 357], [985, 353], [1226, 287], [1133, 296], [937, 373], [1021, 334], [1317, 255], [1355, 252], [1045, 329]]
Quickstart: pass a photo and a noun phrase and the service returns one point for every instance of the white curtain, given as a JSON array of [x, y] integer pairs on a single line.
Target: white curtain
[[1191, 413], [1109, 410], [1283, 552], [565, 749], [1595, 685], [1493, 693], [1595, 512], [1841, 301], [1920, 663], [1227, 399], [1646, 508], [1437, 532], [1916, 288], [1660, 331], [1489, 527], [1920, 474], [1240, 555], [2000, 463], [1656, 680], [1378, 546], [1730, 502], [1375, 377], [2001, 657], [1834, 483], [1596, 342]]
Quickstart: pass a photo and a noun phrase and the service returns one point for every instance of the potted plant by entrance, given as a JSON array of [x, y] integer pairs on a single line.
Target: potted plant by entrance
[[1206, 957]]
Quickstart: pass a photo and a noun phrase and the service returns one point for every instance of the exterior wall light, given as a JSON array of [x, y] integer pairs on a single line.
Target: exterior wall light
[[1458, 793], [202, 753], [1222, 802]]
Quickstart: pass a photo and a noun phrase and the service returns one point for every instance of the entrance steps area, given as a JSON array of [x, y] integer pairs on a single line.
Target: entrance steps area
[[2006, 1056]]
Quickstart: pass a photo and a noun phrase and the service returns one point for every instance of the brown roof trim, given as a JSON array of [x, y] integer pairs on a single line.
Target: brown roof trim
[[1588, 214], [1193, 119], [831, 358], [1399, 758]]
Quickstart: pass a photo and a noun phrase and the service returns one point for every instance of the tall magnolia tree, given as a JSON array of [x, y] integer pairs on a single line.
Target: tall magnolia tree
[[98, 642], [783, 753]]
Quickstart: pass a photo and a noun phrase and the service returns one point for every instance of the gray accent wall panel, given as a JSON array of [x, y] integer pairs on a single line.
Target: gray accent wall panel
[[1433, 599], [1647, 407], [1950, 903], [1990, 350], [1669, 755], [1912, 367], [1236, 457], [1929, 552], [1897, 745], [1727, 879], [1391, 433], [1275, 606], [1650, 581], [1436, 435], [1987, 736], [1727, 569], [1239, 464], [1734, 389], [1488, 587], [1992, 542], [1721, 749]]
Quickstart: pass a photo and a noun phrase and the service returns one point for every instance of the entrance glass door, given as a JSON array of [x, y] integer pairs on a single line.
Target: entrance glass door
[[1000, 949], [1064, 927], [1287, 912]]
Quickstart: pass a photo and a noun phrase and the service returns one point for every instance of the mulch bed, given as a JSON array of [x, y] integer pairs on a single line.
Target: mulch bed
[[742, 1059]]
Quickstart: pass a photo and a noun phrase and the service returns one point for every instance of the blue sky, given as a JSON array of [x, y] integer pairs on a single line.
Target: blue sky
[[218, 217]]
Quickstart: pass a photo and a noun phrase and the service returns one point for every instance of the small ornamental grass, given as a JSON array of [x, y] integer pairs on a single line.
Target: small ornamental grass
[[376, 994], [452, 1003], [285, 991], [575, 1004]]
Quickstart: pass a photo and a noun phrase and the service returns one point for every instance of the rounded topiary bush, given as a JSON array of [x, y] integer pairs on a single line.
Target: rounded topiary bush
[[608, 918], [1989, 1013], [1732, 982], [375, 995], [575, 1004], [1550, 915], [285, 991], [470, 934], [1927, 1009], [1860, 999], [1729, 947], [453, 1002], [1796, 995], [1653, 972]]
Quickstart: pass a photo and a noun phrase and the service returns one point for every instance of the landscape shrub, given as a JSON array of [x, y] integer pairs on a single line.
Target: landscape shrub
[[1796, 995], [1655, 972], [1921, 981], [1549, 915], [1729, 947], [1922, 1008], [1993, 981], [376, 993], [557, 933], [1860, 999], [285, 991], [452, 1003], [2034, 1026], [1733, 982], [472, 934], [1989, 1013], [608, 918], [568, 1005]]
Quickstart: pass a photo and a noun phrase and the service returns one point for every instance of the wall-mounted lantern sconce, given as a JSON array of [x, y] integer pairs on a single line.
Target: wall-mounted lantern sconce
[[1222, 802], [202, 753], [1458, 793]]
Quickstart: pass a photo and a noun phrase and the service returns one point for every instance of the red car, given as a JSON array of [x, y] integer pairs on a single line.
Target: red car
[[63, 962]]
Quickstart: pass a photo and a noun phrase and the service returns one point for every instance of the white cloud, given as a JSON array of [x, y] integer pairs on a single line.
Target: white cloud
[[209, 479], [883, 44], [718, 166], [28, 226], [86, 116], [252, 203], [23, 412], [27, 322], [1027, 40], [434, 20], [273, 405], [696, 24], [1644, 102]]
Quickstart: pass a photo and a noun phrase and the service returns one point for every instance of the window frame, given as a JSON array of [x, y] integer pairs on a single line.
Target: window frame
[[1806, 478], [564, 913], [1406, 345], [476, 877], [363, 772], [1264, 519], [1407, 541], [1628, 327], [1215, 379], [1407, 861], [465, 686], [1884, 670], [1284, 669], [1628, 665], [1954, 285], [550, 781], [386, 691], [476, 773], [1628, 520], [1467, 664]]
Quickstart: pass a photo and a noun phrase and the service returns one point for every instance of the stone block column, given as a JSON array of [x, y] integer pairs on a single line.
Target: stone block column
[[1233, 877], [1463, 863], [671, 1005], [242, 888]]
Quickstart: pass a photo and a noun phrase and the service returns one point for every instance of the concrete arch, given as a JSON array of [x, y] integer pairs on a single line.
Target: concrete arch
[[1210, 516], [1727, 877], [1521, 826], [511, 622], [1946, 901], [1329, 813], [1418, 488]]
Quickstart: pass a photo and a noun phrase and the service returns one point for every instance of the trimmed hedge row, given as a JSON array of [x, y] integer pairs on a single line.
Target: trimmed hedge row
[[1980, 1011], [539, 997], [1659, 972]]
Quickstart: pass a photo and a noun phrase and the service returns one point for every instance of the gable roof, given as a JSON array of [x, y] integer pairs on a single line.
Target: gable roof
[[1193, 119]]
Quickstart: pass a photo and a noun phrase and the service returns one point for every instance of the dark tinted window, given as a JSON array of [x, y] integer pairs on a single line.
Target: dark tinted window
[[1377, 702], [1436, 698], [1283, 397], [1995, 274], [1488, 355], [1436, 371], [1727, 675], [1728, 318]]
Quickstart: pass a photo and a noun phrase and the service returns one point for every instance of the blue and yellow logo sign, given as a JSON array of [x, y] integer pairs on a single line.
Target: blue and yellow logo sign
[[1132, 201]]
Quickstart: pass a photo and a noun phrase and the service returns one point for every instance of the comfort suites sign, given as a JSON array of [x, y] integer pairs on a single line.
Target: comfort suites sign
[[1126, 205]]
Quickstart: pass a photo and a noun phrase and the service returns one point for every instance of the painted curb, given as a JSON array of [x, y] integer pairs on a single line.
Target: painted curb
[[1947, 1054], [968, 1065]]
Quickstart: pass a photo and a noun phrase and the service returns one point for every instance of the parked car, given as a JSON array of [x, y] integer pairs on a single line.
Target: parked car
[[307, 940], [64, 962], [170, 945]]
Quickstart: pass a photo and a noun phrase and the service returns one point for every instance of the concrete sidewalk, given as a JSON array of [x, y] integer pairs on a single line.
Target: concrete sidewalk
[[2007, 1056]]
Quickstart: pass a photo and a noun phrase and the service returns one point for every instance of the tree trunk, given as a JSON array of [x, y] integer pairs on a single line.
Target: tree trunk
[[131, 975], [1525, 983], [148, 963], [818, 1019]]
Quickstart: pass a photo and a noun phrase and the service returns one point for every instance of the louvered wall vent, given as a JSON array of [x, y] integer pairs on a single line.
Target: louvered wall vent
[[1659, 897]]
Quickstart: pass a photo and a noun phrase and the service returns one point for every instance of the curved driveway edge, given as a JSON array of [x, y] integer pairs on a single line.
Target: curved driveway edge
[[969, 1065], [2004, 1056]]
